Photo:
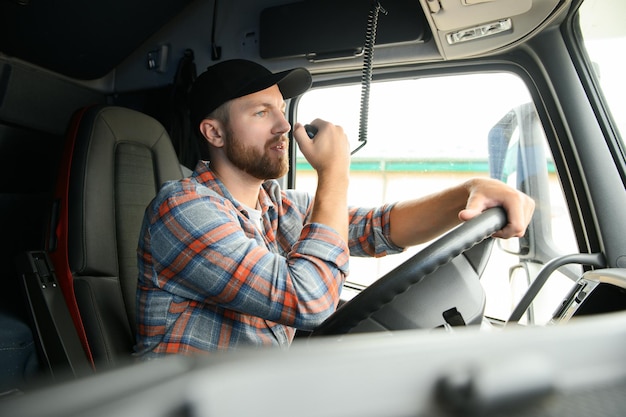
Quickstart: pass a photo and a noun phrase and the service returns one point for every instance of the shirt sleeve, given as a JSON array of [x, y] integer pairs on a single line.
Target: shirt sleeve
[[200, 252], [369, 232]]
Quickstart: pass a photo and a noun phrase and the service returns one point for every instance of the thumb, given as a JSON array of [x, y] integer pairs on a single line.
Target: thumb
[[468, 213], [300, 136], [475, 205]]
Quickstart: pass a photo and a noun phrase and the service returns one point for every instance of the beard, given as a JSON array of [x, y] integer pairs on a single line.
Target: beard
[[259, 165]]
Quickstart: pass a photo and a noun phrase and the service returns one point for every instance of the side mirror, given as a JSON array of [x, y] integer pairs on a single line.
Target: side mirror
[[504, 160]]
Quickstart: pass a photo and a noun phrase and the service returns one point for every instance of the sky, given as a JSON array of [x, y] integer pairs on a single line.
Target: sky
[[421, 118]]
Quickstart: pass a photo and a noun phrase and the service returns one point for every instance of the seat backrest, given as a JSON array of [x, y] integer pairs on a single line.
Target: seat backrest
[[119, 159]]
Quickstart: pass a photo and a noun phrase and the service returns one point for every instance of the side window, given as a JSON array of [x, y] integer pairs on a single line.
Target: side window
[[604, 37], [426, 134]]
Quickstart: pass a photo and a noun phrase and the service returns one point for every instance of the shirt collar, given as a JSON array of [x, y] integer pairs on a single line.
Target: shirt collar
[[203, 175]]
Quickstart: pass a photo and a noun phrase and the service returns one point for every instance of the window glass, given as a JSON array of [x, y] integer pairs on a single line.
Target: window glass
[[604, 37], [427, 134]]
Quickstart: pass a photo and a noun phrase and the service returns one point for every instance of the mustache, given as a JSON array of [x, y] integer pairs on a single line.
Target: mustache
[[277, 140]]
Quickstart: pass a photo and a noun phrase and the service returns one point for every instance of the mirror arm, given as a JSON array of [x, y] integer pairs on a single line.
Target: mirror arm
[[592, 259]]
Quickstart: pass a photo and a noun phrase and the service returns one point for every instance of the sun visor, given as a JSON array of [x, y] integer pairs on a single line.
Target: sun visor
[[327, 29]]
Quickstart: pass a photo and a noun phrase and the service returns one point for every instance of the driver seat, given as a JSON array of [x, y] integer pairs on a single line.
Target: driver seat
[[118, 159]]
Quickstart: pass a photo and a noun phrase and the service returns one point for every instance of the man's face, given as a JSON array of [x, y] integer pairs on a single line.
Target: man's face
[[255, 139]]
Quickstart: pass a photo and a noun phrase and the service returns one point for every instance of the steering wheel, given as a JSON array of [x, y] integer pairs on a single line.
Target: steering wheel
[[434, 275]]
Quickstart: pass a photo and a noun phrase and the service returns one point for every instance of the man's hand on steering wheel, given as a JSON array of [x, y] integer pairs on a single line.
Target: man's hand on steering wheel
[[485, 193]]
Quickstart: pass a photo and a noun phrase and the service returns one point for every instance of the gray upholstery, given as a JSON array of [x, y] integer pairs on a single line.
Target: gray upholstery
[[121, 158]]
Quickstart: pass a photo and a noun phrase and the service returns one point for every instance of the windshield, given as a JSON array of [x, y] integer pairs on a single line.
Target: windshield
[[430, 133]]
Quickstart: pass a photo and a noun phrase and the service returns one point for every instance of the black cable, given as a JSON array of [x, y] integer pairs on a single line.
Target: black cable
[[216, 51], [366, 77]]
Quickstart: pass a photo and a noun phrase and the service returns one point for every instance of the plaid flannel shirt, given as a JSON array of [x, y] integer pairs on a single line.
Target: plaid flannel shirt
[[210, 280]]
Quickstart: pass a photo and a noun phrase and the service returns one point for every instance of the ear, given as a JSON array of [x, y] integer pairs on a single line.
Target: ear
[[212, 130]]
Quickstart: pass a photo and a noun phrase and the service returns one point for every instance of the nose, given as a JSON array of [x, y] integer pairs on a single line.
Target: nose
[[282, 126]]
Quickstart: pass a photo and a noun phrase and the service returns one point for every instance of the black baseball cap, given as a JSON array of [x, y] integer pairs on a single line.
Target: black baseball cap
[[236, 78]]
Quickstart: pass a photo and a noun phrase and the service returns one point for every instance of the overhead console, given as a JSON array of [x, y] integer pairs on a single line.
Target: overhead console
[[465, 28], [323, 30]]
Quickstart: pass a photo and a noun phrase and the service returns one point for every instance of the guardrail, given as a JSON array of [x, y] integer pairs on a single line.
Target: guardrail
[[416, 166]]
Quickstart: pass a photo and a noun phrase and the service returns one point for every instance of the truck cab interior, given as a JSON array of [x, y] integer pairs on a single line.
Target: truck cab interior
[[94, 118]]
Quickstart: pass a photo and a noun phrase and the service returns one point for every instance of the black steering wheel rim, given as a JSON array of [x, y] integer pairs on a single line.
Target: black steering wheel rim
[[412, 271]]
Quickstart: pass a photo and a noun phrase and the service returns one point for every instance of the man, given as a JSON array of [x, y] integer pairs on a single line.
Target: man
[[227, 259]]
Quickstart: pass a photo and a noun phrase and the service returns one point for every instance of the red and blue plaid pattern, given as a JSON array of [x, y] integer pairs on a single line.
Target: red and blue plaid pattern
[[210, 280]]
